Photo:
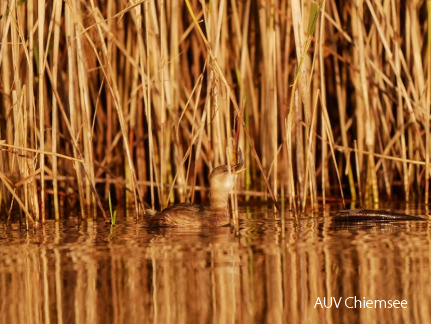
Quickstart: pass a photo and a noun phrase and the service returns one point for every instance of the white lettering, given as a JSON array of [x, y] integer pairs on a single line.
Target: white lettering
[[327, 304], [345, 302], [318, 302], [339, 301], [380, 303], [358, 302], [324, 302]]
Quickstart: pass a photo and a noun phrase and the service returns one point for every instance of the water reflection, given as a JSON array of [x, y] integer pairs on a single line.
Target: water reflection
[[90, 272]]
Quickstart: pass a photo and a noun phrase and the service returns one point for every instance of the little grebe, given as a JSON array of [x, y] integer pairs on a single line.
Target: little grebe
[[194, 216]]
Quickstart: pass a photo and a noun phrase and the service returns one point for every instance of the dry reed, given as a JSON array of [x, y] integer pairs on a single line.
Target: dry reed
[[145, 97]]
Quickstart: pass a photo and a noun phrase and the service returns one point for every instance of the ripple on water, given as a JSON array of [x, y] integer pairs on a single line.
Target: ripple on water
[[255, 273]]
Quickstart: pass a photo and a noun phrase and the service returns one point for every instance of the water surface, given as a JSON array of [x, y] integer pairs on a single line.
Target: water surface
[[312, 271]]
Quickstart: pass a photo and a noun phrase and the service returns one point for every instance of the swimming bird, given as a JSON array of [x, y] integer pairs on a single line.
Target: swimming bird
[[222, 181]]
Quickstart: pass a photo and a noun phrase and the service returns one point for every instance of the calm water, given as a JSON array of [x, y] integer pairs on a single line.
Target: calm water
[[90, 272]]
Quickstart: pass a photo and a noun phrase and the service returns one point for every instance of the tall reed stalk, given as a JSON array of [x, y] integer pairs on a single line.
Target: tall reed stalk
[[144, 98]]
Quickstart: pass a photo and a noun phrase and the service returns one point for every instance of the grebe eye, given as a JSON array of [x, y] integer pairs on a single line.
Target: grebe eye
[[225, 170]]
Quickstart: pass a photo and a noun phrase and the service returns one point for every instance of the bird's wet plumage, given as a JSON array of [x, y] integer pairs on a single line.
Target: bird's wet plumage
[[190, 216]]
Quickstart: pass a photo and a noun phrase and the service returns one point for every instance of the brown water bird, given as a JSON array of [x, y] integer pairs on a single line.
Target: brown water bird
[[222, 180]]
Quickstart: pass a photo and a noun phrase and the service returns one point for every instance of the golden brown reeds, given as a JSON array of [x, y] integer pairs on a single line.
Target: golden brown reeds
[[145, 96]]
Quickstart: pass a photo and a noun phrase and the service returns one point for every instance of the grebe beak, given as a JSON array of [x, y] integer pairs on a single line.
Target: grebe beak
[[239, 167]]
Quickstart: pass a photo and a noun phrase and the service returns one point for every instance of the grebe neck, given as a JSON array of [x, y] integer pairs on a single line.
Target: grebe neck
[[219, 200]]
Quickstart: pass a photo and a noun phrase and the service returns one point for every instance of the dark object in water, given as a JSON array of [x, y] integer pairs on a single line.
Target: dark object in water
[[353, 215]]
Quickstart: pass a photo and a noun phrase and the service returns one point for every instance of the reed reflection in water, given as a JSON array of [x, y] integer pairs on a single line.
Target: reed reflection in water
[[90, 272]]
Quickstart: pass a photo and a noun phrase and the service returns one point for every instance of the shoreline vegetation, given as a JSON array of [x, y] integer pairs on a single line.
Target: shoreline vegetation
[[141, 100]]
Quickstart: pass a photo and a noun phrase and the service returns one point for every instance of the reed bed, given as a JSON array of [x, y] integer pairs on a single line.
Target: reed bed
[[141, 99]]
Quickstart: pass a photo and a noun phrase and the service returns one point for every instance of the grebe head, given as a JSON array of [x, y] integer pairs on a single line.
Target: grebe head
[[222, 181]]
